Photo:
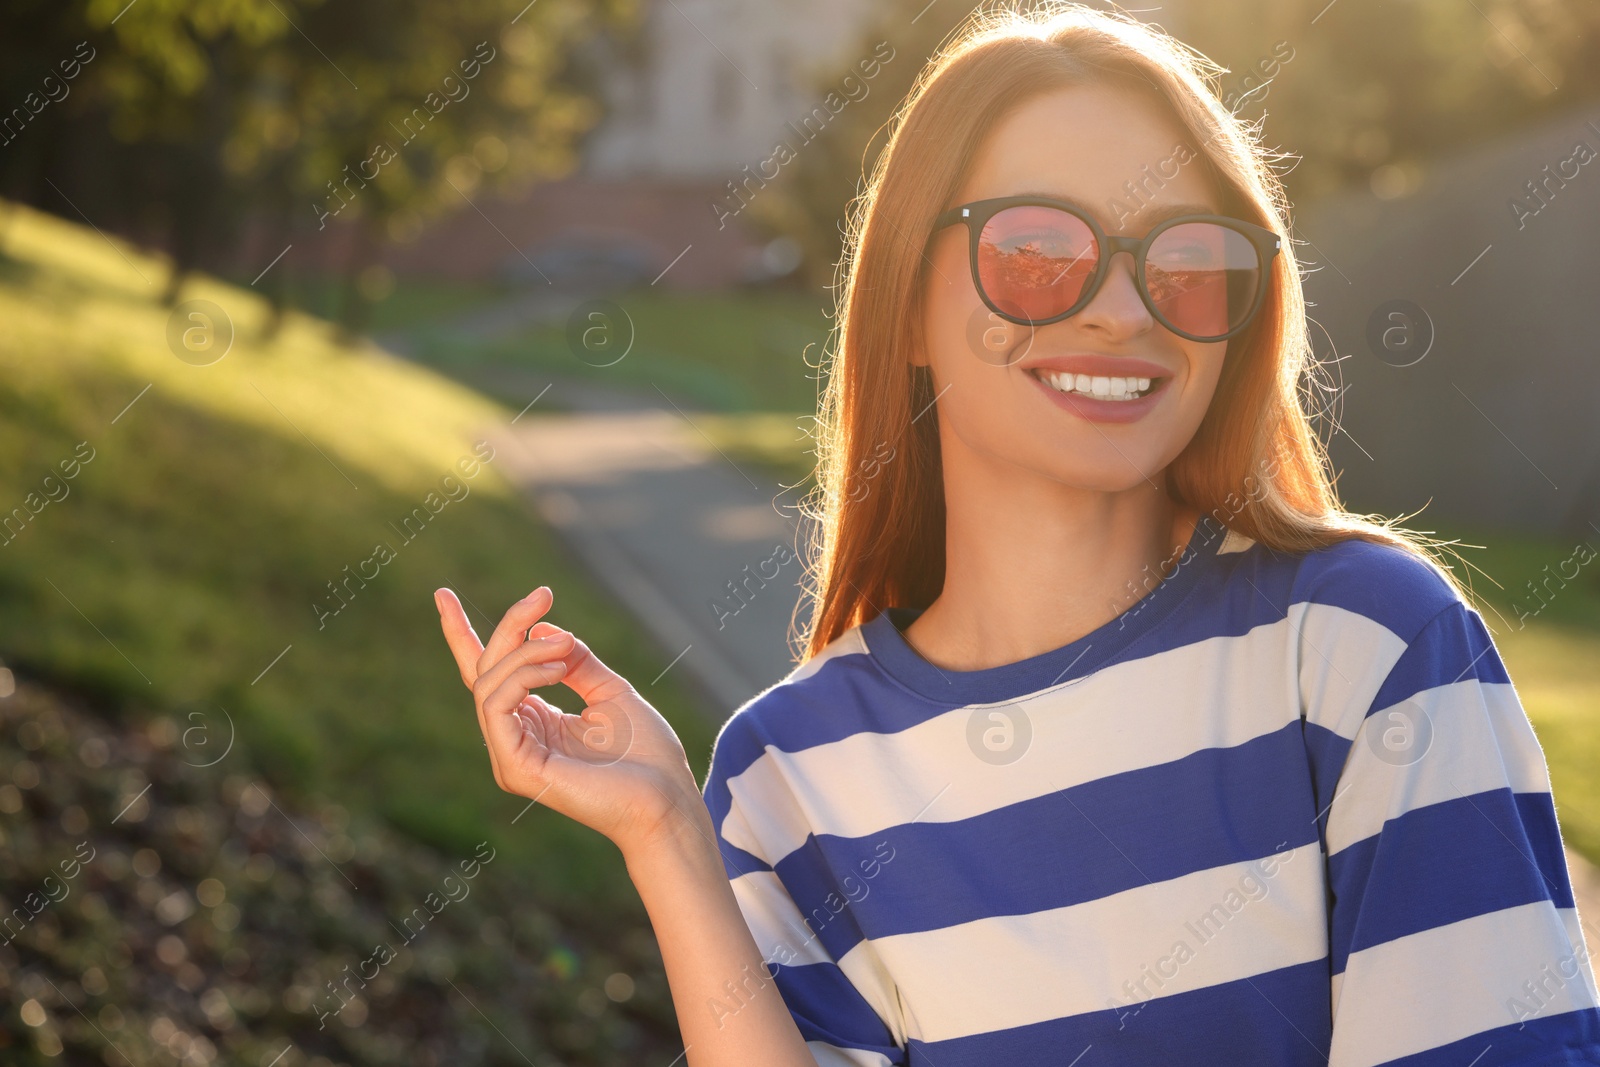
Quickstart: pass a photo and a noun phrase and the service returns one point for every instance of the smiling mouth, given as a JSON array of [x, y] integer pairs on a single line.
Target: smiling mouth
[[1097, 387]]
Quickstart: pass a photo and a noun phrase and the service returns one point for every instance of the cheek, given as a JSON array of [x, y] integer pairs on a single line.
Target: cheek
[[949, 301], [1207, 361], [964, 338], [1204, 369], [948, 295]]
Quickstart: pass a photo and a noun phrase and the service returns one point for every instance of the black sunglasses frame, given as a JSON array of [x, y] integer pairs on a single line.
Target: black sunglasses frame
[[977, 214]]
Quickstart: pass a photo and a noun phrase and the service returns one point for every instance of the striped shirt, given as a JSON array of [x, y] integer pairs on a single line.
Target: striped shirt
[[1285, 809]]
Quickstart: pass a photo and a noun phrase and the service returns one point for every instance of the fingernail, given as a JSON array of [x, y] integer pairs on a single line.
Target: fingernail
[[438, 599]]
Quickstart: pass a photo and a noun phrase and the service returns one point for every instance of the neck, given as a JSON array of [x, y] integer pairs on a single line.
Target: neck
[[1032, 564]]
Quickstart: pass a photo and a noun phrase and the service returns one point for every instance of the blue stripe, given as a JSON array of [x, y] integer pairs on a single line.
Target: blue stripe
[[1326, 753], [736, 861], [845, 696], [1391, 586], [1454, 647], [1280, 1018], [1443, 863], [1570, 1039], [1208, 809], [827, 1007]]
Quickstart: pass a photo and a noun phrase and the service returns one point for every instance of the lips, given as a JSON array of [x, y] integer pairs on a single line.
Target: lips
[[1100, 388]]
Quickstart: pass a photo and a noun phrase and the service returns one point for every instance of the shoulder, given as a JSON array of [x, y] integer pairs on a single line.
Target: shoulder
[[1374, 624], [1394, 587], [811, 705], [1398, 588], [816, 702]]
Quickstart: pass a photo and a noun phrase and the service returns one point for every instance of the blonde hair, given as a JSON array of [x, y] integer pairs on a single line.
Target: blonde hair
[[1255, 460]]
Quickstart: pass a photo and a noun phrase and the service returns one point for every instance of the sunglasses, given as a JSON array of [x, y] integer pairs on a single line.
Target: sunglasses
[[1036, 261]]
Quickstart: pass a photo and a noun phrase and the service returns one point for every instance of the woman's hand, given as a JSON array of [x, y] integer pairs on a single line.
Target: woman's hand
[[617, 767]]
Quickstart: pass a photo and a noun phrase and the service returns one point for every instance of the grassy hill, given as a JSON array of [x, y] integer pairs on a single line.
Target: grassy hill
[[202, 539]]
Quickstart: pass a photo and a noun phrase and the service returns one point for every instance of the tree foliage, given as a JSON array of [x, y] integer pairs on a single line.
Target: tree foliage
[[196, 117]]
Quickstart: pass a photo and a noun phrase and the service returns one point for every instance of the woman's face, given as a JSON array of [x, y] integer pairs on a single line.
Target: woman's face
[[1114, 154]]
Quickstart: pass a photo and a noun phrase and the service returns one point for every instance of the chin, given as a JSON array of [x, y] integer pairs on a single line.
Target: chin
[[1116, 476]]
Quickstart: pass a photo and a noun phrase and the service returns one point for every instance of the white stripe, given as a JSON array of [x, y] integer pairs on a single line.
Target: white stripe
[[1442, 985], [1344, 659], [1232, 922], [870, 974], [1443, 744], [1574, 924], [832, 1056], [787, 940], [849, 643], [780, 932], [1128, 716], [1234, 542]]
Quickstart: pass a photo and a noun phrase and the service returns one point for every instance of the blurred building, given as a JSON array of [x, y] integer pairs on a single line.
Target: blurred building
[[703, 92], [714, 81]]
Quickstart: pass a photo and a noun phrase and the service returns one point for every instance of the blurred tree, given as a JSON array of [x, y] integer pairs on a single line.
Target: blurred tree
[[1361, 91], [195, 117]]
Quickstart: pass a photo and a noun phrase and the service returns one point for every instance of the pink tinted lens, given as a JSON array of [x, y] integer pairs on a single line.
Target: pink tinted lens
[[1033, 262], [1203, 277]]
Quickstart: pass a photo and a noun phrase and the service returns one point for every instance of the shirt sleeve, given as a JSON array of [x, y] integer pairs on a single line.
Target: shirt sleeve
[[841, 1026], [1453, 933]]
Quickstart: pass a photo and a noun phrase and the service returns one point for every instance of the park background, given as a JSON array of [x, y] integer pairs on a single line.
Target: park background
[[275, 275]]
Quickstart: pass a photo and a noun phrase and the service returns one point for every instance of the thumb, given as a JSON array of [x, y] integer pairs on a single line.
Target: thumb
[[590, 678]]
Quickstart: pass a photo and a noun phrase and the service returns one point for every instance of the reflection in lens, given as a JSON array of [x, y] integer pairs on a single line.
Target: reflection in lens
[[1033, 262], [1203, 277]]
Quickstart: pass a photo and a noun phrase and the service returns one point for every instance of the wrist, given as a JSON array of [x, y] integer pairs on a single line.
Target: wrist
[[682, 842]]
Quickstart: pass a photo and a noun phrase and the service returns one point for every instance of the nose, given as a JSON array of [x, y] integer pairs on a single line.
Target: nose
[[1117, 305]]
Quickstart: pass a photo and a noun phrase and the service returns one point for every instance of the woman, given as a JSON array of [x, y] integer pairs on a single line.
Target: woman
[[1116, 739]]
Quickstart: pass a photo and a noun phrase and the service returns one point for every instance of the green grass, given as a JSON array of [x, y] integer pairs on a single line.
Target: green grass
[[413, 302], [406, 303], [187, 555], [729, 352], [1551, 646]]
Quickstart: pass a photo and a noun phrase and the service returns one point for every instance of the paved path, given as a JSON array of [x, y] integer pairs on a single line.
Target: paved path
[[695, 545], [701, 549]]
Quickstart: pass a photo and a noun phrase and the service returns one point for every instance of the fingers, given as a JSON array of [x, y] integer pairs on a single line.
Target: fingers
[[539, 650], [501, 715], [468, 651], [589, 678], [512, 691], [514, 625], [459, 634]]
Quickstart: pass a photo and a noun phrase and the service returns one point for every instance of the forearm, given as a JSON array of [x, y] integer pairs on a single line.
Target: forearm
[[708, 951]]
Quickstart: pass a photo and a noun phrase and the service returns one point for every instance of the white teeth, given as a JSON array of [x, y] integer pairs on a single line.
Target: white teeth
[[1100, 387]]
